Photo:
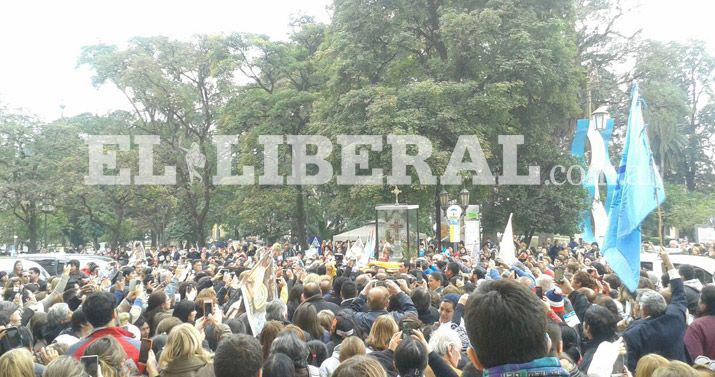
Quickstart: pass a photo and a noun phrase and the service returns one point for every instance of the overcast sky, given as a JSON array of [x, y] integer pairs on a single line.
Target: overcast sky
[[41, 40]]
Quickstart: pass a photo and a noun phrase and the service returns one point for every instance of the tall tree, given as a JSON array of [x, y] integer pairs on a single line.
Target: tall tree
[[178, 91]]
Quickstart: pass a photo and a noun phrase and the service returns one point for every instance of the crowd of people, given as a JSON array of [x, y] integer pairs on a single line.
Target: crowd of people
[[557, 310]]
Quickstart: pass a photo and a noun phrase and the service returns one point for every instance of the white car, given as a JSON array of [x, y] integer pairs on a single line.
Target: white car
[[706, 265], [7, 264]]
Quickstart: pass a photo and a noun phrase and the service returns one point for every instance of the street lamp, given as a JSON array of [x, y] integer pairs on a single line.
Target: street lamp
[[600, 118], [464, 197], [443, 199]]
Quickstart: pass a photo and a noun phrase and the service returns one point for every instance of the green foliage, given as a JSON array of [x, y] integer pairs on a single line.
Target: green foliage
[[435, 68]]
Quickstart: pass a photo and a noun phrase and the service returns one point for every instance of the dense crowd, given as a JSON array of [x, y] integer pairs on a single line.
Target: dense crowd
[[558, 310]]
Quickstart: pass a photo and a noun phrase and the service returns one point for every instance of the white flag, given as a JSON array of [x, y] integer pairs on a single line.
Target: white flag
[[507, 252]]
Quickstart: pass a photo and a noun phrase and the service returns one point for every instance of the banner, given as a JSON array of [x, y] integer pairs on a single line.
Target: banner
[[472, 236], [453, 214], [258, 288]]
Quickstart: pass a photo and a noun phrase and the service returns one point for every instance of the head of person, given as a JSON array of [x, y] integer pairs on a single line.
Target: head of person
[[276, 310], [99, 310], [348, 290], [446, 343], [410, 357], [360, 366], [58, 316], [350, 347], [184, 341], [649, 363], [268, 334], [318, 353], [422, 299], [80, 326], [74, 266], [17, 362], [687, 272], [583, 279], [142, 325], [492, 344], [306, 318], [185, 310], [434, 280], [381, 332], [650, 303], [111, 356], [325, 318], [447, 306], [706, 306], [310, 290], [342, 327], [452, 270], [158, 300], [289, 344], [65, 366], [238, 356], [34, 274], [675, 369], [17, 268], [278, 365], [378, 298], [599, 324]]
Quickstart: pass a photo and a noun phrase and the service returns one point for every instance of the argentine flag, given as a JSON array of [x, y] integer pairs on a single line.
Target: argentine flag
[[639, 190]]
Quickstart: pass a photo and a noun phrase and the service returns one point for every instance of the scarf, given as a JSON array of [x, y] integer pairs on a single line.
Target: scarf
[[544, 367]]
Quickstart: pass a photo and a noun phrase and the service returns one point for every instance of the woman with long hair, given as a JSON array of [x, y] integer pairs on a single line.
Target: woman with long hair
[[294, 299], [268, 334], [381, 332], [183, 354], [17, 363], [306, 317]]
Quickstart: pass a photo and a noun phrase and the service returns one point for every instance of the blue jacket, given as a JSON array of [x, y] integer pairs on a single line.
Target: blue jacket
[[662, 335]]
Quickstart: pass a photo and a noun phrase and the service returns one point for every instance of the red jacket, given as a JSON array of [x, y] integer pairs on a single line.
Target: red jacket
[[130, 345]]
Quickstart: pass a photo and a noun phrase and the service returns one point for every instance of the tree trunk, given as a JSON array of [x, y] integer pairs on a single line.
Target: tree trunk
[[299, 224], [438, 217], [32, 230]]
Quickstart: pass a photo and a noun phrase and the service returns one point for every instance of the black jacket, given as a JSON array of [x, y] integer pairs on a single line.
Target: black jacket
[[319, 303], [663, 334]]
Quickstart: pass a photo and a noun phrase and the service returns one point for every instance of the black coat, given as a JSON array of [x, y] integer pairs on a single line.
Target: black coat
[[319, 303], [662, 335]]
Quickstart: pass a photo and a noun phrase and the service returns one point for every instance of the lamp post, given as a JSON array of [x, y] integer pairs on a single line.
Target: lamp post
[[46, 208], [600, 118], [443, 201]]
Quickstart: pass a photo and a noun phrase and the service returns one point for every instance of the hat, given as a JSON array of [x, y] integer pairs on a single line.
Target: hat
[[452, 297], [344, 326], [7, 308], [555, 300]]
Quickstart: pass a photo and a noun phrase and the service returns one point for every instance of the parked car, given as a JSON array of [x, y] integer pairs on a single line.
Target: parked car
[[7, 264], [54, 263], [704, 266], [48, 261]]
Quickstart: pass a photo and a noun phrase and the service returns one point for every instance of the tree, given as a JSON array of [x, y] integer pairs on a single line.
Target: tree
[[443, 69], [178, 91], [677, 81]]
